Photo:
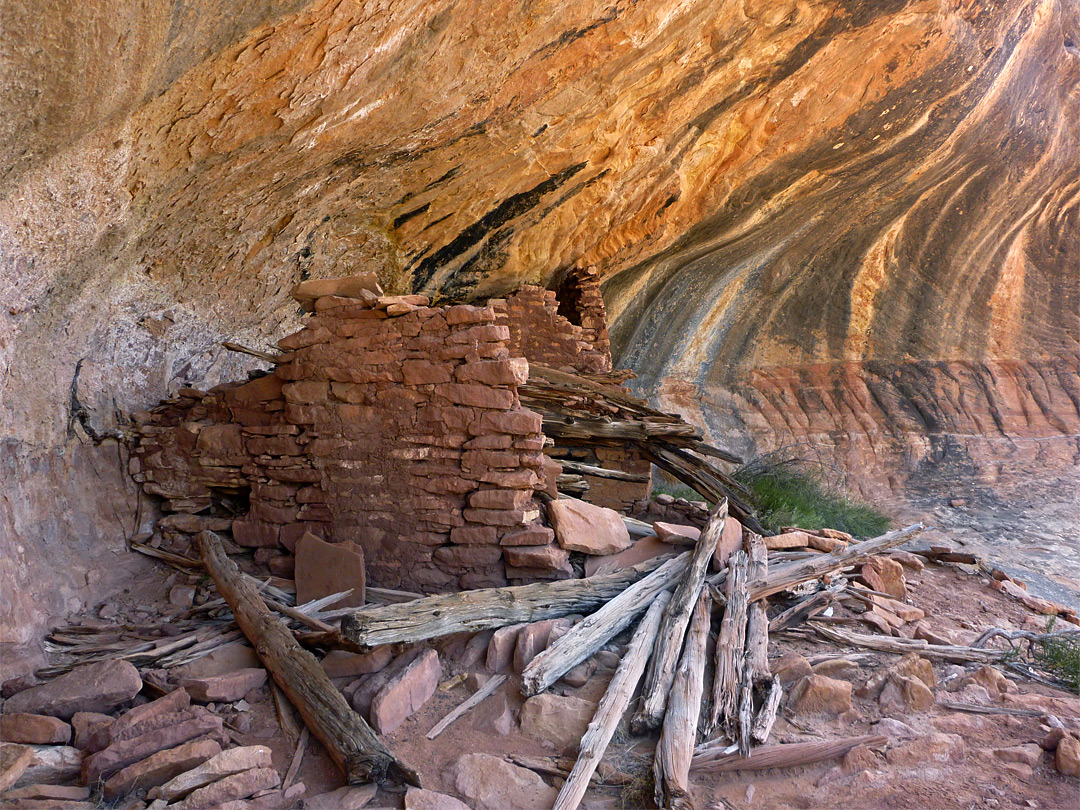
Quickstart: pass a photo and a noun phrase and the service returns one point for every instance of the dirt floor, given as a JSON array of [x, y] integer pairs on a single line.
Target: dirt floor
[[928, 771]]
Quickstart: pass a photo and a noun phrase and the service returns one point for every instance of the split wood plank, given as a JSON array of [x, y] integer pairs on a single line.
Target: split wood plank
[[478, 697], [785, 755], [350, 741], [661, 672], [612, 706], [590, 634], [675, 749], [729, 650], [485, 608], [902, 646], [755, 671]]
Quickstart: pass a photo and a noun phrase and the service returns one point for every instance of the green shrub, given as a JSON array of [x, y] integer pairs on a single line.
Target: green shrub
[[790, 491], [1060, 657]]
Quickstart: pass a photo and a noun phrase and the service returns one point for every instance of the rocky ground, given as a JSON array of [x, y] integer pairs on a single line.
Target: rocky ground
[[1014, 744]]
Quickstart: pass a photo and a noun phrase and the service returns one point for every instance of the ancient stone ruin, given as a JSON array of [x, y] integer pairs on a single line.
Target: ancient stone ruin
[[393, 426]]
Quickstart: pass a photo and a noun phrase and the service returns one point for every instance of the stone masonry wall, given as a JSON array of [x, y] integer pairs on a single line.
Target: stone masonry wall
[[402, 433]]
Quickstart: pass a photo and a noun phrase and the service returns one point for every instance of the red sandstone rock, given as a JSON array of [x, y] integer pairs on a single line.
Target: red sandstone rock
[[580, 526], [51, 793], [676, 534], [86, 725], [194, 723], [559, 720], [326, 568], [406, 692], [52, 765], [226, 688], [500, 651], [96, 687], [790, 668], [14, 760], [550, 556], [816, 694], [1067, 758], [341, 664], [371, 685], [345, 798], [237, 786], [491, 783], [222, 764], [533, 638], [33, 729], [934, 748], [731, 540], [159, 768], [140, 720], [514, 371], [795, 539], [885, 575], [350, 287], [643, 549], [903, 694], [534, 535], [511, 499], [418, 799]]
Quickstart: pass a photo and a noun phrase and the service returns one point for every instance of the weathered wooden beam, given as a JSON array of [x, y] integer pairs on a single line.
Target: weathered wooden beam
[[482, 609], [675, 749], [612, 706], [729, 650], [590, 634], [352, 744], [676, 620], [780, 756]]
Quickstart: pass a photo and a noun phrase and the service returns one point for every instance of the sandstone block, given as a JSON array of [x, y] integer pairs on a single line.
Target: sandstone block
[[514, 371], [406, 692], [326, 568], [52, 765], [519, 422], [371, 685], [33, 729], [934, 748], [550, 556], [342, 664], [98, 687], [1067, 758], [787, 540], [533, 639], [14, 760], [500, 651], [345, 798], [360, 287], [418, 799], [159, 768], [477, 396], [220, 765], [646, 548], [534, 535], [140, 720], [48, 793], [425, 372], [1029, 754], [119, 755], [467, 314], [581, 526], [226, 688], [86, 725], [816, 694], [559, 720], [510, 499], [905, 694], [491, 783], [731, 540], [790, 668], [237, 786], [885, 575], [676, 534]]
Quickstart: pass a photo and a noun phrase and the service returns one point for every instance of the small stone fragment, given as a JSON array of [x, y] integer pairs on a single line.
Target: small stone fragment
[[225, 763], [345, 798], [342, 664], [237, 786], [676, 534], [159, 768], [790, 667], [418, 799], [491, 783], [14, 760]]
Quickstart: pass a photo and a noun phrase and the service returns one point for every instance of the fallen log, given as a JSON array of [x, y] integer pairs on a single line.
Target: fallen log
[[786, 755], [612, 706], [755, 673], [478, 697], [782, 577], [675, 749], [729, 650], [482, 609], [669, 643], [601, 472], [807, 607], [902, 646], [349, 740], [589, 635]]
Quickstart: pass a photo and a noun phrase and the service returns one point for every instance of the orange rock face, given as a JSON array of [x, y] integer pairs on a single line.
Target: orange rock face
[[848, 223]]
